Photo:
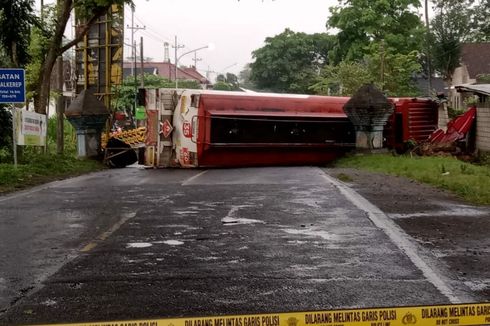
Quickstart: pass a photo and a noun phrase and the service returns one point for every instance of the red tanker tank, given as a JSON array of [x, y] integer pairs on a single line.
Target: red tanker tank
[[229, 129]]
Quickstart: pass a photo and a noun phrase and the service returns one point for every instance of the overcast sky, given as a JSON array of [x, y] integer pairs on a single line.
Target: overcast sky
[[236, 28]]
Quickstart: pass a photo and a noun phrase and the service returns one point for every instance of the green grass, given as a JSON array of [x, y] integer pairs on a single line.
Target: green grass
[[469, 181], [344, 177], [41, 168]]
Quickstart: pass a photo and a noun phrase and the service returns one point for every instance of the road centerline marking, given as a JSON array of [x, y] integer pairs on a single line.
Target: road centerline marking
[[194, 177], [396, 235], [103, 236]]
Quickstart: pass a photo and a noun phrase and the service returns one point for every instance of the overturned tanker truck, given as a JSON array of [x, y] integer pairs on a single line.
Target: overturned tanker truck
[[201, 128]]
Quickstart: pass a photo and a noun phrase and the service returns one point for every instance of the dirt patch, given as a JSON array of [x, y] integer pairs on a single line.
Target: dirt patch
[[455, 232]]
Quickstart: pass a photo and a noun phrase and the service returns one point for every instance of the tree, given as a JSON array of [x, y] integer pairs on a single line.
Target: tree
[[88, 11], [398, 72], [289, 62], [125, 94], [16, 18], [449, 28], [343, 79], [456, 22], [481, 22], [222, 86], [347, 77], [244, 78], [228, 82], [361, 22]]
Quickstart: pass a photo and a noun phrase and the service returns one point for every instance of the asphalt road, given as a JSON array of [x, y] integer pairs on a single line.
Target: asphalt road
[[135, 243]]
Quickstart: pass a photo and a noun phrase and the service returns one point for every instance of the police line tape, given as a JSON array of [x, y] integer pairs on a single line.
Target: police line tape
[[457, 314]]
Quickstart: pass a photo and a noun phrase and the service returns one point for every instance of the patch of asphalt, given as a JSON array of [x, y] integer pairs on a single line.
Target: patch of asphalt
[[308, 248], [45, 227]]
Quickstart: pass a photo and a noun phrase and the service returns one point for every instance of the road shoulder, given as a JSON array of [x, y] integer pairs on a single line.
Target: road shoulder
[[453, 231]]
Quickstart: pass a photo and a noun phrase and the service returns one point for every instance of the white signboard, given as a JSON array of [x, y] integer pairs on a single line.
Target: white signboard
[[30, 128]]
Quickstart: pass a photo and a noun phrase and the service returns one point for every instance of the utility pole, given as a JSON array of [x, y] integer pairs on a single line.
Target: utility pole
[[382, 64], [141, 61], [60, 107], [196, 59], [427, 25], [134, 29], [176, 46]]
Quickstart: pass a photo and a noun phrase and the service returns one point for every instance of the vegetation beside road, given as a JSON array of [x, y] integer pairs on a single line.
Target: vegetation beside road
[[36, 167], [469, 181], [41, 169]]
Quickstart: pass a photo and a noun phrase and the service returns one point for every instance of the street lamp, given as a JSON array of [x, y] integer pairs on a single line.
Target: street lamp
[[209, 46]]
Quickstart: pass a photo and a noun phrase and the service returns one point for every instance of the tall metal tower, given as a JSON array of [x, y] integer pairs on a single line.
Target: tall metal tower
[[99, 57]]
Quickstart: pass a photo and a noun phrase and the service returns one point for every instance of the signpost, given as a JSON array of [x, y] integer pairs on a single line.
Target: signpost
[[13, 90], [12, 85]]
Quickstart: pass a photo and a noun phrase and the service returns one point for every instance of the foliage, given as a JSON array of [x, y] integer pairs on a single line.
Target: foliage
[[38, 46], [88, 11], [69, 134], [226, 83], [16, 19], [5, 134], [43, 168], [347, 77], [244, 78], [399, 71], [361, 22], [289, 62], [222, 86], [343, 79], [125, 94], [457, 22], [481, 22], [449, 28], [483, 78], [469, 181], [35, 167]]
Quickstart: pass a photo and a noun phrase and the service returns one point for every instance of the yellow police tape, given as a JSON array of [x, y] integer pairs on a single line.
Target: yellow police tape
[[458, 314]]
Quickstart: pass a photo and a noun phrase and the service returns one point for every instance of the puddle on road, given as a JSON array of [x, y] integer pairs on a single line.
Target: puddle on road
[[313, 233], [138, 245], [229, 219], [236, 221], [49, 303], [75, 226], [186, 212], [171, 242]]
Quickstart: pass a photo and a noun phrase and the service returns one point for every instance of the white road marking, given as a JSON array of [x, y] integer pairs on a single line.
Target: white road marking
[[397, 236], [138, 245], [189, 181]]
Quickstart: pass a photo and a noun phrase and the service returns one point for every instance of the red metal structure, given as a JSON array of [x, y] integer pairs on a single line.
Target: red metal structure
[[229, 129], [413, 119], [271, 129], [456, 128]]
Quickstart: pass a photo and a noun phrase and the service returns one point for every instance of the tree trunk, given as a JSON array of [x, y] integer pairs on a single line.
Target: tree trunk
[[60, 109], [57, 49], [42, 89]]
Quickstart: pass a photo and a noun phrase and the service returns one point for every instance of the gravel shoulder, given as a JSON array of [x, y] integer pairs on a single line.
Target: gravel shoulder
[[453, 231]]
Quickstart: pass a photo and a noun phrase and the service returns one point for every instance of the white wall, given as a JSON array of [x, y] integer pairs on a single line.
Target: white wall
[[483, 128]]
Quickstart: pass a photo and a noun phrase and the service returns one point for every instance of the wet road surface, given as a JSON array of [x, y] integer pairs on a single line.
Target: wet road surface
[[134, 243]]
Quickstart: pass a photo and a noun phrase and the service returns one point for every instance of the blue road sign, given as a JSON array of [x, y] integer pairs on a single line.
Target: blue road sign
[[12, 85]]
